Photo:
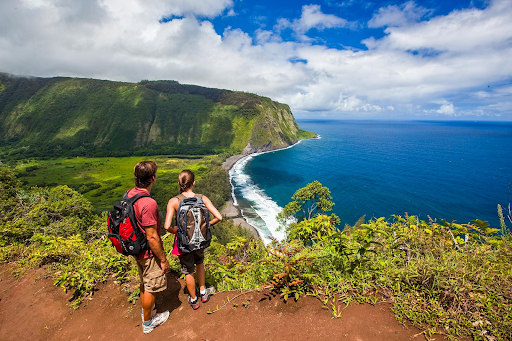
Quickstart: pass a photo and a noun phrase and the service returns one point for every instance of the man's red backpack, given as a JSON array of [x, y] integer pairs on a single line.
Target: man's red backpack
[[124, 233]]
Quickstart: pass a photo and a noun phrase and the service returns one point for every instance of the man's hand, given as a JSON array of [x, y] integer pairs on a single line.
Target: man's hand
[[155, 244], [165, 266]]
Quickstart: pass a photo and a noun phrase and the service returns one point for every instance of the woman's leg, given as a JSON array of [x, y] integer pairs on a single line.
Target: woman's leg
[[200, 276], [191, 285]]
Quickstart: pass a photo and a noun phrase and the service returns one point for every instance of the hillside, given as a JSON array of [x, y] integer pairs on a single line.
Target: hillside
[[88, 117]]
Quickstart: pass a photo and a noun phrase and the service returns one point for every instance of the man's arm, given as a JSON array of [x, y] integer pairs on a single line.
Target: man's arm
[[155, 244]]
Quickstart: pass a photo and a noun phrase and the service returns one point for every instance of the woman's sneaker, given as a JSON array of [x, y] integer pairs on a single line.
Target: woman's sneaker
[[157, 320], [194, 304], [206, 296]]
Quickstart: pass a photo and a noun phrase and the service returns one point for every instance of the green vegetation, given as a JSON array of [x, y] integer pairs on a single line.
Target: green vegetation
[[103, 181], [453, 279], [308, 202], [58, 227], [55, 117]]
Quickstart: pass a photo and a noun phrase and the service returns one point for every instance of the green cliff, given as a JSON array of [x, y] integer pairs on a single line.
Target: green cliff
[[73, 116]]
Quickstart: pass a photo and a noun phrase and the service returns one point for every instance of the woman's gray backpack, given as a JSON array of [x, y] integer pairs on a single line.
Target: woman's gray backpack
[[193, 220]]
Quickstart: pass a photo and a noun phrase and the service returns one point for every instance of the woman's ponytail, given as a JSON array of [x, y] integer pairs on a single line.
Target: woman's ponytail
[[185, 180]]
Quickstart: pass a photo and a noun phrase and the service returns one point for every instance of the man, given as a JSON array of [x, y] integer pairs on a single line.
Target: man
[[151, 263]]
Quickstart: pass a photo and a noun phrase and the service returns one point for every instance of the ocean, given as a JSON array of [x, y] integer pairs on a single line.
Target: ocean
[[453, 170]]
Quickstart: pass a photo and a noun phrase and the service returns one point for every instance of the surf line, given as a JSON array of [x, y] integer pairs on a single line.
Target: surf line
[[255, 206]]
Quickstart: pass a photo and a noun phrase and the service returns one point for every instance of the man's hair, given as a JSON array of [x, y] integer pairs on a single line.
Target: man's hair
[[144, 172], [185, 179]]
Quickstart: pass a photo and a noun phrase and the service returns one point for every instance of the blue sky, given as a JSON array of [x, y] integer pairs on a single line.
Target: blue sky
[[251, 16], [346, 59]]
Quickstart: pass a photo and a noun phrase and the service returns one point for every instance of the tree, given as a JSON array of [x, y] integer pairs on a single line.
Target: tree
[[321, 228], [308, 202]]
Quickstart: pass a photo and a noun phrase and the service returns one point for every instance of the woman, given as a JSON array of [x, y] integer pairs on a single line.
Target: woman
[[194, 259]]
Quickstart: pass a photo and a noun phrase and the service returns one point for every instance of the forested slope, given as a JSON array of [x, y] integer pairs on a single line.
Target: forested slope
[[88, 117]]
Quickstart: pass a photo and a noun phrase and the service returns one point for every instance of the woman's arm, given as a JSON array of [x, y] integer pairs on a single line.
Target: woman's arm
[[213, 210], [172, 206]]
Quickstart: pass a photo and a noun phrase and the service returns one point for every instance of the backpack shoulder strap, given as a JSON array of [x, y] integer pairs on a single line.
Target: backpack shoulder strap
[[132, 200], [137, 197], [180, 197]]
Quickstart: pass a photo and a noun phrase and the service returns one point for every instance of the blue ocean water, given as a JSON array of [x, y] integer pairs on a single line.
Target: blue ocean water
[[452, 170]]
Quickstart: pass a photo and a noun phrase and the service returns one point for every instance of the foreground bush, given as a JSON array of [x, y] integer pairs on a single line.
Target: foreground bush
[[448, 278], [58, 211], [453, 279], [57, 227]]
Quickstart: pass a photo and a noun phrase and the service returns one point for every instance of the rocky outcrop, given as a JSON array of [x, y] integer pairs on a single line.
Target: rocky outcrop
[[249, 149]]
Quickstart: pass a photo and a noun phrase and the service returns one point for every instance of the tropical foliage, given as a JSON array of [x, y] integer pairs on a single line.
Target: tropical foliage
[[448, 278]]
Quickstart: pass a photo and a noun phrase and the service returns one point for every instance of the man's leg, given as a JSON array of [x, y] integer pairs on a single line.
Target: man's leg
[[148, 272], [148, 301]]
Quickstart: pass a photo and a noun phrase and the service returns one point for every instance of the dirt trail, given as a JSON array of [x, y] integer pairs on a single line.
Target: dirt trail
[[34, 309]]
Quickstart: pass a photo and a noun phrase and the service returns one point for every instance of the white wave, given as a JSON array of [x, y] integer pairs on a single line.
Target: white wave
[[260, 210]]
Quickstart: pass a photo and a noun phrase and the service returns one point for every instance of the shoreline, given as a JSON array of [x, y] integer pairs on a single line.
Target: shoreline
[[231, 211], [230, 161]]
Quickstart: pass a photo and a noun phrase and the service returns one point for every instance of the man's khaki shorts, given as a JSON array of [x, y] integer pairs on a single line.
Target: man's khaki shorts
[[150, 274]]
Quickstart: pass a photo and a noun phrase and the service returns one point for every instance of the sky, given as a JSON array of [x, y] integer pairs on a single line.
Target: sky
[[332, 59]]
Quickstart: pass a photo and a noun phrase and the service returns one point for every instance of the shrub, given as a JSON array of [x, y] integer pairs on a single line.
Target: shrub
[[226, 231], [58, 211]]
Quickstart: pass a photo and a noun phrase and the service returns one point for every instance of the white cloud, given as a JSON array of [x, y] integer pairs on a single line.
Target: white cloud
[[398, 15], [413, 65], [312, 18], [354, 104], [468, 30], [207, 8], [446, 109]]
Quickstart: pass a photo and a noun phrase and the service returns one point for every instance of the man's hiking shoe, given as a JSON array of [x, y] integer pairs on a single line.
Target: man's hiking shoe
[[157, 320], [194, 305], [206, 296]]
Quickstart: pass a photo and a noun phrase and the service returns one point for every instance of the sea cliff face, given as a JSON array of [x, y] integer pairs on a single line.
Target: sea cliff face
[[73, 116]]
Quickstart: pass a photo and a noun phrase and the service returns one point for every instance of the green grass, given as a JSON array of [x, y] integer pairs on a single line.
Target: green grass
[[104, 180], [304, 134]]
